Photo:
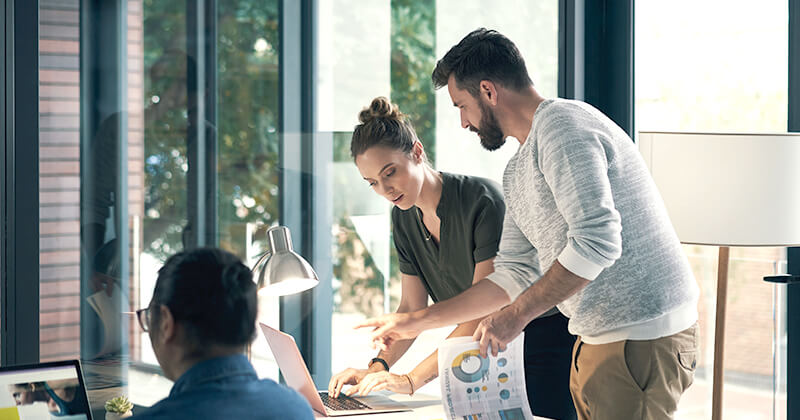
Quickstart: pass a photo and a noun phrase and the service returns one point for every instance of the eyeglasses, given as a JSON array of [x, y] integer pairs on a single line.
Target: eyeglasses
[[143, 315]]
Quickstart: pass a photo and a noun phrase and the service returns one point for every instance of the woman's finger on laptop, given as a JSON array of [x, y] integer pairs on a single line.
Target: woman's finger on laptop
[[366, 386], [353, 389]]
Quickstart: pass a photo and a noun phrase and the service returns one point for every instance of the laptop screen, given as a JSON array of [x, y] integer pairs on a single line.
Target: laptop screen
[[44, 391]]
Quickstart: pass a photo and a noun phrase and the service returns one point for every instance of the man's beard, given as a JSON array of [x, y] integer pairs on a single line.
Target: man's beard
[[492, 137]]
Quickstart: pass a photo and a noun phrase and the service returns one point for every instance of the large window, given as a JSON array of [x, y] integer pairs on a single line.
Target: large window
[[389, 48], [723, 69], [158, 132]]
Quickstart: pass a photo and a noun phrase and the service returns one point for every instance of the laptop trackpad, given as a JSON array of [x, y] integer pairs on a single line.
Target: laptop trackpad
[[381, 402]]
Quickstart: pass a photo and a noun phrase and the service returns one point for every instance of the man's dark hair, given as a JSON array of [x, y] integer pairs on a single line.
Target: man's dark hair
[[483, 54], [211, 294]]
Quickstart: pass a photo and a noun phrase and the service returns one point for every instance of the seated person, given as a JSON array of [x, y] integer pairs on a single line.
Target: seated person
[[61, 396], [201, 318]]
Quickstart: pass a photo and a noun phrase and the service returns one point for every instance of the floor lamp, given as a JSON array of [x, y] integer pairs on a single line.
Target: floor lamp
[[727, 190]]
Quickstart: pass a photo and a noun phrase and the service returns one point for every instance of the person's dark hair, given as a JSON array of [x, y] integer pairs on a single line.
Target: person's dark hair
[[211, 294], [483, 54], [382, 124]]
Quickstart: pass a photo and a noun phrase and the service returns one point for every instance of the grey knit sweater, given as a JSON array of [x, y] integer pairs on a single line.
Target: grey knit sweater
[[578, 191]]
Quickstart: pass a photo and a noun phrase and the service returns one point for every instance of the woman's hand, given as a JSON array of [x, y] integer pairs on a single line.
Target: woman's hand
[[349, 376], [379, 381], [391, 328]]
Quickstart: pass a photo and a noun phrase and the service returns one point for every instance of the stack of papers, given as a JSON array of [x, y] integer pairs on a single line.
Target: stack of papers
[[474, 387]]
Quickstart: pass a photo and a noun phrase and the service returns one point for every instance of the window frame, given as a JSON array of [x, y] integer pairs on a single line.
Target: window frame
[[19, 339], [793, 254], [304, 157]]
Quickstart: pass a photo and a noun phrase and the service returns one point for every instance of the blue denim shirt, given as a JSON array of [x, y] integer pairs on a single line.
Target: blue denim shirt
[[227, 388]]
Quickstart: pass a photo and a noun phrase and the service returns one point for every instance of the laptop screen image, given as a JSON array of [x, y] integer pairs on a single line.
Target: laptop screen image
[[43, 391]]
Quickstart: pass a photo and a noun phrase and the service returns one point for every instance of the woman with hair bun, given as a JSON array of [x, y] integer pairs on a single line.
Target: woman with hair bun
[[200, 320], [446, 229]]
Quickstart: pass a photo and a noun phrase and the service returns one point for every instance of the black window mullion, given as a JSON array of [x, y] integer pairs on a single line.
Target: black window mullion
[[595, 56], [20, 260], [571, 49], [793, 254], [201, 29]]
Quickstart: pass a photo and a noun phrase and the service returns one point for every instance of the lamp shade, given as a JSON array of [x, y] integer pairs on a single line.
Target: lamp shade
[[281, 271], [728, 189]]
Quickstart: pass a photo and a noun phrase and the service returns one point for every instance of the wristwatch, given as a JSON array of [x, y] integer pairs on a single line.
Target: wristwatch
[[378, 360]]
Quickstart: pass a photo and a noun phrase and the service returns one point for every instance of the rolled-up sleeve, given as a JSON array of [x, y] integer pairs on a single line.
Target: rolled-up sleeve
[[576, 169], [516, 266]]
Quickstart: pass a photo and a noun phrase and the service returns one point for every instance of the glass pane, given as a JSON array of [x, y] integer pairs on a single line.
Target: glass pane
[[115, 133], [533, 27], [690, 76], [248, 48], [166, 163], [404, 39]]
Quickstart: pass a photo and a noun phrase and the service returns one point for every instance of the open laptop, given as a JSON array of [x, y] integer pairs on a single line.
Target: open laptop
[[295, 372], [43, 390]]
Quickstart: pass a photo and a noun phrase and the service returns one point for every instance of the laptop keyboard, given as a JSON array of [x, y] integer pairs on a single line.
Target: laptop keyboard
[[342, 403]]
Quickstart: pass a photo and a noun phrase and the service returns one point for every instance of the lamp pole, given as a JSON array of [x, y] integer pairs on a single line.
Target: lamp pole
[[719, 332]]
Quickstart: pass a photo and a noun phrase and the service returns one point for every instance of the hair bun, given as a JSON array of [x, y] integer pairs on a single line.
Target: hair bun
[[380, 107], [235, 276]]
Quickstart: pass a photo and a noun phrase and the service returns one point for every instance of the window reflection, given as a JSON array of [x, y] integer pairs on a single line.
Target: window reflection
[[115, 132]]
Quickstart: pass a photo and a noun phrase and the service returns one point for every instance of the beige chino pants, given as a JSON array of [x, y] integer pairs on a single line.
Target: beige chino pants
[[633, 379]]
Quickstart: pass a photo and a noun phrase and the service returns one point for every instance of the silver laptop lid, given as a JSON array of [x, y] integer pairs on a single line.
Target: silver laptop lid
[[292, 365]]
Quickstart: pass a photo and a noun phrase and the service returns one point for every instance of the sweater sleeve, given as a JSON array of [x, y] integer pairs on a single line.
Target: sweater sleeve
[[575, 164], [516, 266]]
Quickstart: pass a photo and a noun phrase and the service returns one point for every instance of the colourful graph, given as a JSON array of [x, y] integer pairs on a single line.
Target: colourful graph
[[469, 366]]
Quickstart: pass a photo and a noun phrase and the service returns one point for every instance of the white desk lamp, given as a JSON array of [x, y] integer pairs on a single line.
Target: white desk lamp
[[727, 190]]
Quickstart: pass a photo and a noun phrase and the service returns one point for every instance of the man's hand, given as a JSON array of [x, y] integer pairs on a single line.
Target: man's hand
[[499, 329], [391, 328], [379, 381]]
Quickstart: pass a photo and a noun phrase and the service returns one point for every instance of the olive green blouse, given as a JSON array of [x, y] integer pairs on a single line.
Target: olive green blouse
[[471, 211]]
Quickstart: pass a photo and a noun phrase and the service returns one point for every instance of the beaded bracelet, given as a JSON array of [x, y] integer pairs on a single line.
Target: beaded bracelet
[[411, 383]]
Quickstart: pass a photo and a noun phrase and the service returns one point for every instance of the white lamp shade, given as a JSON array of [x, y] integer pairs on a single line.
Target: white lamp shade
[[728, 189]]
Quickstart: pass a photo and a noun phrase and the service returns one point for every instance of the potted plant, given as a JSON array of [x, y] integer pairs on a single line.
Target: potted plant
[[118, 408]]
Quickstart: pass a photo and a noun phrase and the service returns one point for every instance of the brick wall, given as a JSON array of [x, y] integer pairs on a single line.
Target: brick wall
[[135, 157], [59, 173], [59, 178]]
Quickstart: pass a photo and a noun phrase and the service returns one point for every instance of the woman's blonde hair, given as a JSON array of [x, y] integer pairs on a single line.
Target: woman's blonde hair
[[382, 124]]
